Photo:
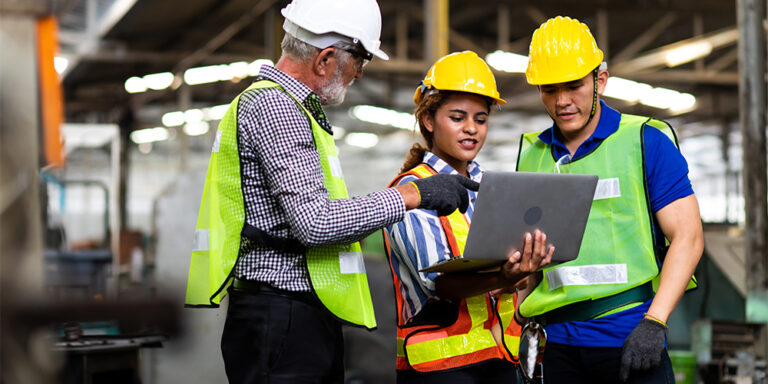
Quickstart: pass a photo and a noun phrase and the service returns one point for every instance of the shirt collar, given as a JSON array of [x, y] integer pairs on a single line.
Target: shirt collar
[[300, 91], [473, 168], [606, 126], [295, 87]]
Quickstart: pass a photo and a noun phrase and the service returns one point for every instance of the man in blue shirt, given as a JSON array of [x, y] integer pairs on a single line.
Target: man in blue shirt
[[610, 331]]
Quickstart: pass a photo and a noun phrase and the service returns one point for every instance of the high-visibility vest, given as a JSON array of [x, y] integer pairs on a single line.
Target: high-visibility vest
[[468, 340], [336, 272], [617, 251]]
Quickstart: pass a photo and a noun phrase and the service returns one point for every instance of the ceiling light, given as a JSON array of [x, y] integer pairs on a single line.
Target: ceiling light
[[217, 112], [687, 52], [197, 128], [203, 75], [149, 135], [338, 132], [624, 89], [173, 119], [135, 85], [659, 97], [60, 64], [361, 139], [193, 115], [158, 81], [507, 61], [383, 116]]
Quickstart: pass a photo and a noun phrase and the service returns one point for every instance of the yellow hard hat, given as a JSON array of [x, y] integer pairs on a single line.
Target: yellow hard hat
[[562, 50], [462, 72]]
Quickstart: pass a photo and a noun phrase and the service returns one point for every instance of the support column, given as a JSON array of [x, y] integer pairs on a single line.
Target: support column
[[752, 110], [21, 239], [436, 30]]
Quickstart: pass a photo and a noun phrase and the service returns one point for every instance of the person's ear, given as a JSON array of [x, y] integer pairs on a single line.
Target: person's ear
[[429, 123], [323, 61], [602, 81]]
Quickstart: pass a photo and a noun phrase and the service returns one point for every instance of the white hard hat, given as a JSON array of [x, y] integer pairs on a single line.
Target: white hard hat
[[322, 23]]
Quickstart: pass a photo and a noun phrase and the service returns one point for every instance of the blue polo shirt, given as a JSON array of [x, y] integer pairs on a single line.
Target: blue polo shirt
[[667, 174]]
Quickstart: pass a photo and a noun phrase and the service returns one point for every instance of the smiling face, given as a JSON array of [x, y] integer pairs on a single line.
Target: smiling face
[[458, 128], [569, 104]]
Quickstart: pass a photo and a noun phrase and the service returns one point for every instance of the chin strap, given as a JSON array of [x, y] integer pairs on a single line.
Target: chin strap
[[594, 96]]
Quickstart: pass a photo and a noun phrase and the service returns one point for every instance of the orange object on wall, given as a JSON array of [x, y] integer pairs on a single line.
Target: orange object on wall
[[51, 98]]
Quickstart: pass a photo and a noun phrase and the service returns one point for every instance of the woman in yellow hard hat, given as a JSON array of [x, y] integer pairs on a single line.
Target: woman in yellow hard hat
[[454, 327]]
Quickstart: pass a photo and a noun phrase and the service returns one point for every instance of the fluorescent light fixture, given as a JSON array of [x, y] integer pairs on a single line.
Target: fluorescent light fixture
[[193, 115], [687, 53], [135, 85], [338, 132], [217, 112], [196, 128], [507, 61], [361, 139], [149, 135], [683, 102], [646, 94], [158, 81], [60, 64], [223, 72], [383, 116], [255, 66], [624, 89], [659, 97], [203, 75], [173, 119]]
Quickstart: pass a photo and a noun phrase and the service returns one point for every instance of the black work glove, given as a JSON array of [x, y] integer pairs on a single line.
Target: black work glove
[[643, 348], [445, 193]]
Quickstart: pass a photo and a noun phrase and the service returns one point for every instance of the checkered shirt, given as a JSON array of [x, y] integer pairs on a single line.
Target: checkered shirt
[[283, 189]]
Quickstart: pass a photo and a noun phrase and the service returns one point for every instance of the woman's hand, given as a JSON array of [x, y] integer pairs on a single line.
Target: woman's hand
[[536, 254]]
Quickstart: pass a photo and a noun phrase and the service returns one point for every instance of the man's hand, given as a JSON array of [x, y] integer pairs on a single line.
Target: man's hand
[[642, 349], [444, 193]]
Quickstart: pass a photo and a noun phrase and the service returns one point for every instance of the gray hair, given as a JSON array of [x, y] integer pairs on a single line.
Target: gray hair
[[304, 52]]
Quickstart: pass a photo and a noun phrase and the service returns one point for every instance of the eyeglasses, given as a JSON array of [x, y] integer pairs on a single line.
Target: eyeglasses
[[533, 338], [362, 57]]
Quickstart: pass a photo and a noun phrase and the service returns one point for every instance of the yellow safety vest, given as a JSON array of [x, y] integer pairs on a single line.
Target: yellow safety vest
[[336, 272]]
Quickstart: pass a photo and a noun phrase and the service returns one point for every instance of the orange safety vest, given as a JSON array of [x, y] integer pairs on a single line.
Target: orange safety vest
[[468, 340]]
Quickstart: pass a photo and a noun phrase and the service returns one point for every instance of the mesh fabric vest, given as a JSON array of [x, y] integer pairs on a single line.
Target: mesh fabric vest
[[336, 272], [617, 252]]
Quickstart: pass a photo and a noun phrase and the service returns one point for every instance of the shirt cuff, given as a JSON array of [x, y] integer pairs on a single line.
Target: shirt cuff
[[394, 205]]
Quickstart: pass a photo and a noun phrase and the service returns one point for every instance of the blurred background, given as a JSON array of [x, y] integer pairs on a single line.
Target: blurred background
[[108, 110]]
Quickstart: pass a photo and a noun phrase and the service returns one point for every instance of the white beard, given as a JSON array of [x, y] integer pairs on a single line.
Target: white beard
[[334, 91]]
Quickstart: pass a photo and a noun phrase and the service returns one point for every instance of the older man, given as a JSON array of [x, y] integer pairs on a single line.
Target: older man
[[275, 221]]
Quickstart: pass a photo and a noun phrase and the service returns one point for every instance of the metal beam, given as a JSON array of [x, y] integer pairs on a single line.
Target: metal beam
[[724, 61], [752, 101], [436, 26], [683, 76], [603, 33], [96, 28], [224, 36], [657, 58], [646, 37], [401, 35], [502, 27]]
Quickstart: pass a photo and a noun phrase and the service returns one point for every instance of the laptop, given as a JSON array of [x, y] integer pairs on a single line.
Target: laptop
[[509, 204]]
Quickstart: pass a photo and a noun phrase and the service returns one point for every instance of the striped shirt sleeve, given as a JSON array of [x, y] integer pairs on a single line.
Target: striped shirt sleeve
[[416, 242]]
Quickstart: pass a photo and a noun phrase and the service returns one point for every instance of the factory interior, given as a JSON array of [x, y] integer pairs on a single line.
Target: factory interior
[[109, 109]]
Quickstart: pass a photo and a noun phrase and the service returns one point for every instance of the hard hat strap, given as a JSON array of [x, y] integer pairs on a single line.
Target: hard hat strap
[[594, 96]]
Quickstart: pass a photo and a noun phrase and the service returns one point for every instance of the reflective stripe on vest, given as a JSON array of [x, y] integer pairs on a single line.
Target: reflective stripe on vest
[[617, 252], [336, 272], [469, 339]]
